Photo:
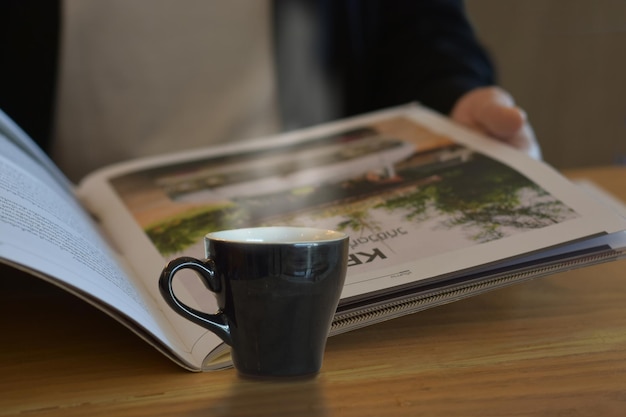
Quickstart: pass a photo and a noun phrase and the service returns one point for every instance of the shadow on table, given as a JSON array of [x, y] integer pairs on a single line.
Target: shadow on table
[[302, 398]]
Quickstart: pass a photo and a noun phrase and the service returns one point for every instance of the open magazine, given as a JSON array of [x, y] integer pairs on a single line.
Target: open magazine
[[435, 213]]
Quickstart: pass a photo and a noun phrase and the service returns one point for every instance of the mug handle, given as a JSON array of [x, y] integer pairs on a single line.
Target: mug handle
[[217, 323]]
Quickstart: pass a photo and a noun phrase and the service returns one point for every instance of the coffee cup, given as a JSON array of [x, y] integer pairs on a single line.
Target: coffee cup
[[277, 290]]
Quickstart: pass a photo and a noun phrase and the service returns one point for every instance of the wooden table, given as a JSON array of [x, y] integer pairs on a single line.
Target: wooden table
[[555, 346]]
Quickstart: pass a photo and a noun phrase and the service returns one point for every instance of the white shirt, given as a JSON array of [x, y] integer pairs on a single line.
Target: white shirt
[[143, 77]]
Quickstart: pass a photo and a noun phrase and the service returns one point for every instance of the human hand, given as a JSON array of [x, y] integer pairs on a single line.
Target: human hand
[[492, 110]]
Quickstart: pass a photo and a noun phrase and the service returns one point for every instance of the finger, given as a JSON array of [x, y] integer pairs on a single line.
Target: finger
[[526, 141], [500, 118]]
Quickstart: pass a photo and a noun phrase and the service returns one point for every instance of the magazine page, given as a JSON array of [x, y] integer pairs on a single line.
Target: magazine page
[[44, 230], [421, 197], [48, 171]]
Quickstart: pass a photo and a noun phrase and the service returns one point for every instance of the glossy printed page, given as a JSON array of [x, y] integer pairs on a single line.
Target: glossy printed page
[[43, 229], [421, 197]]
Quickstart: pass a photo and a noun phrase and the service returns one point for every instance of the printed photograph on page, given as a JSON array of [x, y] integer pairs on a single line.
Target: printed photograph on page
[[396, 187]]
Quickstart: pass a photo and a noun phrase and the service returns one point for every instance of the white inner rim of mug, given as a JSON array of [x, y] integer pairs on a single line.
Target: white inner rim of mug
[[277, 234]]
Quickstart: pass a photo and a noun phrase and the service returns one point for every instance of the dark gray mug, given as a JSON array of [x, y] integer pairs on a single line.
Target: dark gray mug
[[277, 290]]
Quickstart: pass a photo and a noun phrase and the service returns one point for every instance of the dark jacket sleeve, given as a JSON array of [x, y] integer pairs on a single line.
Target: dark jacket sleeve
[[393, 52]]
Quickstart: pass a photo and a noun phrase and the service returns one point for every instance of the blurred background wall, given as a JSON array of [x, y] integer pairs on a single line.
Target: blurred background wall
[[564, 61]]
